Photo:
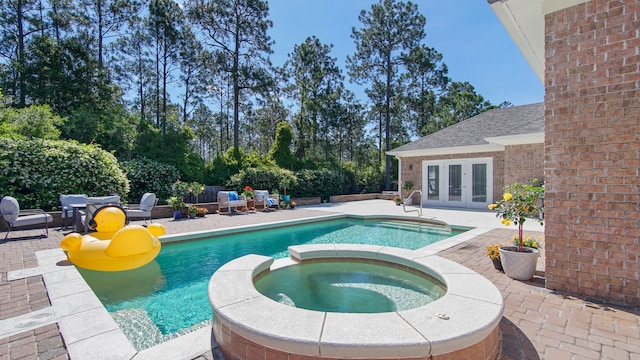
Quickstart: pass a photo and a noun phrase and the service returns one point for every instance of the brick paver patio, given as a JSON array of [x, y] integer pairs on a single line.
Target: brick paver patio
[[538, 323]]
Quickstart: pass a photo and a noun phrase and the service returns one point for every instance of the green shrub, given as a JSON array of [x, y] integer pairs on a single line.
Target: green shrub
[[322, 183], [36, 172], [259, 178], [147, 175]]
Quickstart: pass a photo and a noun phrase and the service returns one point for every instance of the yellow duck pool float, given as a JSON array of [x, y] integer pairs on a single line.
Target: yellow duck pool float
[[114, 247]]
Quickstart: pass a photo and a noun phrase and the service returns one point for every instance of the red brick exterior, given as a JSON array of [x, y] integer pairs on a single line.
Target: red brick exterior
[[592, 150], [522, 163]]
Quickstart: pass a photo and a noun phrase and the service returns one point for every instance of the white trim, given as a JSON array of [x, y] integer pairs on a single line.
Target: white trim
[[448, 150], [522, 139], [524, 22], [496, 143]]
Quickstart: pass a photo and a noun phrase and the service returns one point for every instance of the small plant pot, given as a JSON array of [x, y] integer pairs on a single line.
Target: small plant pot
[[192, 215], [497, 264]]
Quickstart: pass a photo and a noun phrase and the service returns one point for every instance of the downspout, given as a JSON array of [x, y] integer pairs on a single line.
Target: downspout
[[399, 175]]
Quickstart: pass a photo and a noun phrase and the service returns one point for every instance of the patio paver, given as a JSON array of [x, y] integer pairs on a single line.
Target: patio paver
[[538, 323]]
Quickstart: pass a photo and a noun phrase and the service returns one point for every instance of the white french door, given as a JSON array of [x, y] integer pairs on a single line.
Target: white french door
[[458, 182]]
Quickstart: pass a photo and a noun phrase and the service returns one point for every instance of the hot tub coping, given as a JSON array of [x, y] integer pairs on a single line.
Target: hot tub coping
[[468, 313]]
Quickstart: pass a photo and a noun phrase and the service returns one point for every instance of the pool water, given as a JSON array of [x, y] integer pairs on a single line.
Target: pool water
[[349, 287], [168, 296]]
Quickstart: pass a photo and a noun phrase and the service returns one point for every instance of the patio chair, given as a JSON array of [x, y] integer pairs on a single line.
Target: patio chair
[[65, 205], [95, 203], [14, 217], [229, 200], [147, 204], [266, 201]]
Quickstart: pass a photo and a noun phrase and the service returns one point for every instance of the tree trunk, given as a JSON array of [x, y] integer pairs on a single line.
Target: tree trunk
[[22, 97], [236, 92], [387, 132]]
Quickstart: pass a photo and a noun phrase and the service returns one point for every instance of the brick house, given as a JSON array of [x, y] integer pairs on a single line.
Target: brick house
[[587, 53], [468, 164]]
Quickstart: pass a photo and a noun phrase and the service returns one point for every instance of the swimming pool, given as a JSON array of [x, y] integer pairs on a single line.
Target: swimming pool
[[168, 297]]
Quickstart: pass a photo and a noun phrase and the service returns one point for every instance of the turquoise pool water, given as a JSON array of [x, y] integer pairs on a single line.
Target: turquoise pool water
[[349, 287], [168, 296]]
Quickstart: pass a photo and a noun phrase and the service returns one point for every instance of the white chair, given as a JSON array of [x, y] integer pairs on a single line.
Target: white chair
[[65, 205], [230, 199], [147, 204], [14, 217], [265, 201]]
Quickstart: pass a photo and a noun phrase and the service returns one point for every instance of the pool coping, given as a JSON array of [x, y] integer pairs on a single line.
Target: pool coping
[[467, 314], [77, 310]]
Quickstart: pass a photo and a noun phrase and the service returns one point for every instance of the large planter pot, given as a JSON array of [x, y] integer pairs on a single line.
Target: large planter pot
[[177, 214], [519, 265], [286, 197]]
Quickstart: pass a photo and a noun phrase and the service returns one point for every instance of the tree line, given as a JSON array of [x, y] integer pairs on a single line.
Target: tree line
[[184, 82]]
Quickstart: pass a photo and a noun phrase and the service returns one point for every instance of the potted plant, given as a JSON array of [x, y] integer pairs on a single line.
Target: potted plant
[[493, 252], [519, 202], [195, 189], [192, 210], [397, 200], [284, 183], [293, 204], [177, 205], [247, 191], [201, 211]]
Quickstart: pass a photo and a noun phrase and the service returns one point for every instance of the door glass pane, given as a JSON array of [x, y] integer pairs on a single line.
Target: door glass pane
[[479, 182], [433, 182], [455, 182]]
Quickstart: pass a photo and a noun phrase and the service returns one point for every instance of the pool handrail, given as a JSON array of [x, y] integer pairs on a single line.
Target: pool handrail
[[404, 204]]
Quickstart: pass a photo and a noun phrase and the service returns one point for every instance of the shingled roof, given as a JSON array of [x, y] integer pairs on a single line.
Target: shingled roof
[[489, 131]]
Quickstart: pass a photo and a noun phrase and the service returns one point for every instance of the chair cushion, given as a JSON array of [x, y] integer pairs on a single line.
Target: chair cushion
[[148, 201], [261, 194], [233, 195], [32, 220], [10, 208], [271, 201], [67, 200]]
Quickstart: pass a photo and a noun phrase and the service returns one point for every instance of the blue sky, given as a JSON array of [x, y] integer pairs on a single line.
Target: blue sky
[[474, 44]]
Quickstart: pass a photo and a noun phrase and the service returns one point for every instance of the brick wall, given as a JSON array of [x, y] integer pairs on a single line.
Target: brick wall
[[592, 149], [522, 163]]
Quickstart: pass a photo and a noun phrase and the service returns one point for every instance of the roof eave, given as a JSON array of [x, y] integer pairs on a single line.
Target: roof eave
[[447, 151], [522, 139], [524, 21], [497, 143]]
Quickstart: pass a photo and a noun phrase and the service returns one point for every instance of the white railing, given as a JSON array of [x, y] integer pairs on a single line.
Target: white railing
[[409, 197]]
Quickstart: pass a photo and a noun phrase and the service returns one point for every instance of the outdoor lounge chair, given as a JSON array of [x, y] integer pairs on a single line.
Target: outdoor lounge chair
[[228, 200], [95, 203], [147, 204], [265, 201], [14, 217], [67, 209]]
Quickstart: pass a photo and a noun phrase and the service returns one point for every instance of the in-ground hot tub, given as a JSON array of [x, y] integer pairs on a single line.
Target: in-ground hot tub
[[347, 286], [249, 325]]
